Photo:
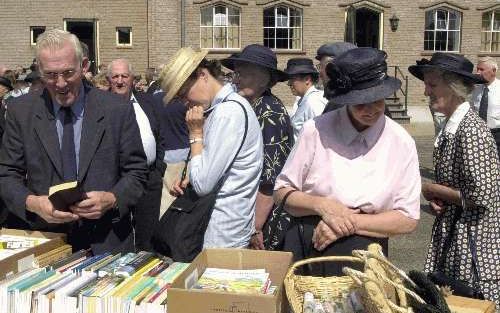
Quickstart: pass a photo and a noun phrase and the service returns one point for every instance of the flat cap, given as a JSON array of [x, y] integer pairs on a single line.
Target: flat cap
[[334, 49]]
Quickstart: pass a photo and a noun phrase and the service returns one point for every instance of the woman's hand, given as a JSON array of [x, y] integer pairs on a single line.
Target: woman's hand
[[178, 187], [338, 217], [323, 236], [437, 206], [428, 191], [195, 121], [257, 241]]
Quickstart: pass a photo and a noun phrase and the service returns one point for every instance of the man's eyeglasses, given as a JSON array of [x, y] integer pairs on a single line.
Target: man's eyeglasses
[[54, 76]]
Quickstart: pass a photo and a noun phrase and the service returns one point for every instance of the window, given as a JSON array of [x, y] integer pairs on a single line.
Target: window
[[283, 28], [124, 36], [442, 30], [490, 31], [36, 31], [220, 27]]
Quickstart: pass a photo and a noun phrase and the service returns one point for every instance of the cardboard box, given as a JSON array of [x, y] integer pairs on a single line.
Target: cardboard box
[[468, 305], [182, 299], [24, 259]]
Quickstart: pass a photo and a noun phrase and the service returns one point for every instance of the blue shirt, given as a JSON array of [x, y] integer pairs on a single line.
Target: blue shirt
[[232, 220], [77, 109]]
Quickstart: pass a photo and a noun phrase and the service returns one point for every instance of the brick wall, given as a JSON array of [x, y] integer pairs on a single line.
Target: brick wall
[[156, 26]]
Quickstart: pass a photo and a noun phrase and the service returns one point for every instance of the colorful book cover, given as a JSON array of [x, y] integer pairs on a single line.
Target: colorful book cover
[[238, 281]]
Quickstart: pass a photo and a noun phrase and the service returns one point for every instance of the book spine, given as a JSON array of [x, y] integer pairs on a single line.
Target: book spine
[[52, 258], [134, 265]]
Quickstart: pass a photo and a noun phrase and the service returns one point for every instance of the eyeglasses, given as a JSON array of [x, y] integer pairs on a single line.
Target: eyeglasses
[[54, 76]]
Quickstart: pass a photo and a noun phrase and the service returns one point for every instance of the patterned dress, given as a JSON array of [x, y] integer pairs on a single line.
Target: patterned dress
[[277, 134], [467, 161]]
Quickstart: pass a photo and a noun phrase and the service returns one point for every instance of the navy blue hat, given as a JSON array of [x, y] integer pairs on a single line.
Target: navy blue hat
[[334, 49], [448, 62], [296, 66], [359, 76], [6, 82], [258, 55]]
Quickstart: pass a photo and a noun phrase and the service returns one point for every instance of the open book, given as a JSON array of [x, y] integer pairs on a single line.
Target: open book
[[66, 194]]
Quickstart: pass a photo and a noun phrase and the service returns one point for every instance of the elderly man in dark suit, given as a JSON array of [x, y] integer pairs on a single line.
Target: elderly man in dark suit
[[70, 132], [146, 213]]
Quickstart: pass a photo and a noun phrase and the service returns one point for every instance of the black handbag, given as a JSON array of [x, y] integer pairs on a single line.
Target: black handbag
[[458, 287], [181, 230], [277, 225]]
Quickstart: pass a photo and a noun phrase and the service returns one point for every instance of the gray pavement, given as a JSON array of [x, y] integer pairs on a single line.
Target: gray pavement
[[409, 251]]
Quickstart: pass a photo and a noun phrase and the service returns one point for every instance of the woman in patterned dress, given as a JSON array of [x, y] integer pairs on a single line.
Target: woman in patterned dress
[[465, 198], [255, 73]]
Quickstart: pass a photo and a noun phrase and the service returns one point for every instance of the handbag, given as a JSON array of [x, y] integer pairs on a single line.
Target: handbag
[[181, 230], [277, 225], [459, 288]]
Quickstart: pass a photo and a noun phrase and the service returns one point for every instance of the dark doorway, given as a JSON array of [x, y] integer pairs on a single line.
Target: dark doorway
[[86, 32], [367, 28]]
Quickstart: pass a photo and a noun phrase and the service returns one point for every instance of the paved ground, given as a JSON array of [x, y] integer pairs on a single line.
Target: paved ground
[[408, 251]]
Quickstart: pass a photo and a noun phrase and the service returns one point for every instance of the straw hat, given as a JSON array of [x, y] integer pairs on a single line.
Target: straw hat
[[178, 70]]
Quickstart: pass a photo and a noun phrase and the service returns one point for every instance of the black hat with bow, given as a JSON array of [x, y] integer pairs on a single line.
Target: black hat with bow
[[359, 76], [447, 62]]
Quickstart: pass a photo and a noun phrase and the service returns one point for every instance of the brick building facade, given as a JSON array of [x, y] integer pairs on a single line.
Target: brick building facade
[[148, 32]]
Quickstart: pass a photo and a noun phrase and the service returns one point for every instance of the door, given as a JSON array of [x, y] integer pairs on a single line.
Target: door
[[368, 28], [86, 31]]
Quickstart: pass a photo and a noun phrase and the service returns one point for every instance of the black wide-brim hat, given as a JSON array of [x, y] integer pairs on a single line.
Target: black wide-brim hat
[[447, 62], [359, 76], [6, 82], [297, 66], [258, 55]]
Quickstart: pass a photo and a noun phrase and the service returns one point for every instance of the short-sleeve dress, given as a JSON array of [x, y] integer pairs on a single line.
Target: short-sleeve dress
[[465, 159]]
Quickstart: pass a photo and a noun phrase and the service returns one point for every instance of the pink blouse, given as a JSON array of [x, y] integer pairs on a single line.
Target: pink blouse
[[376, 170]]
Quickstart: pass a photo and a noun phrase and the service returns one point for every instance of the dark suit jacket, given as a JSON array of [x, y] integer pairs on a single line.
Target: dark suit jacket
[[147, 103], [111, 159]]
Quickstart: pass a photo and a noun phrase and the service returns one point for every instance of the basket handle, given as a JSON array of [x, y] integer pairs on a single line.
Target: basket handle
[[323, 259], [368, 254], [358, 276]]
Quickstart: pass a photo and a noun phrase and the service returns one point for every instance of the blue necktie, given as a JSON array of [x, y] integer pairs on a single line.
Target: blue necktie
[[68, 146], [483, 105]]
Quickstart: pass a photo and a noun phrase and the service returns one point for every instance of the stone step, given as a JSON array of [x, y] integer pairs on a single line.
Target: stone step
[[398, 112], [404, 119]]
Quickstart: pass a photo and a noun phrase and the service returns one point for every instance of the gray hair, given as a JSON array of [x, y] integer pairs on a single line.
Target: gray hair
[[110, 67], [461, 88], [490, 61], [55, 39]]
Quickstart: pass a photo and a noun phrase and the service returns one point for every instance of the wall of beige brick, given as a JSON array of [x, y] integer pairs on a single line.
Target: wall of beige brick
[[157, 28]]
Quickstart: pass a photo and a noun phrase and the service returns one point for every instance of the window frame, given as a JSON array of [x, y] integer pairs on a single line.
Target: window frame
[[215, 25], [446, 29], [118, 44], [288, 27], [32, 39], [490, 31]]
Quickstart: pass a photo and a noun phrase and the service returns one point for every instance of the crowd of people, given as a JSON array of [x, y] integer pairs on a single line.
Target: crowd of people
[[344, 172]]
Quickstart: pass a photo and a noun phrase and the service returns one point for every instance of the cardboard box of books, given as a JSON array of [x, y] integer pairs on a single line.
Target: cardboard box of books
[[231, 280], [20, 248], [468, 305]]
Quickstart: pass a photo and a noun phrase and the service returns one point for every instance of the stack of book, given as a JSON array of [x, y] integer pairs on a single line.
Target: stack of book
[[81, 283], [254, 281], [12, 244]]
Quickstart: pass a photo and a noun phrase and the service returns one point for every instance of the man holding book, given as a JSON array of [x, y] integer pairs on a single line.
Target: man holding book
[[72, 132]]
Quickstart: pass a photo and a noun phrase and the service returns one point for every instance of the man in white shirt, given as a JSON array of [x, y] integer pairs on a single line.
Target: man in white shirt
[[486, 97], [146, 214], [310, 102]]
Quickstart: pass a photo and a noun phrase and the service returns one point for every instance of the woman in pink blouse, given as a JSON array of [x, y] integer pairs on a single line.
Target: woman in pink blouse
[[353, 173]]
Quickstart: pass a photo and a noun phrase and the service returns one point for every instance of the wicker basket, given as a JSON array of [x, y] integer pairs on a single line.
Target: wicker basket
[[321, 287], [380, 285]]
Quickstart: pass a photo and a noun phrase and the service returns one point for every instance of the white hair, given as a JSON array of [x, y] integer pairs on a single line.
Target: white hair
[[110, 67], [55, 39], [461, 88], [490, 61]]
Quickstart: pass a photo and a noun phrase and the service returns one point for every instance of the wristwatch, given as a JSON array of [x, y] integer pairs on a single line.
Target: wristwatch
[[193, 140]]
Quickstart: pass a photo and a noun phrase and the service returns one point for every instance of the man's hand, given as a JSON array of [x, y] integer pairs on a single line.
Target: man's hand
[[323, 236], [257, 241], [42, 206], [95, 204]]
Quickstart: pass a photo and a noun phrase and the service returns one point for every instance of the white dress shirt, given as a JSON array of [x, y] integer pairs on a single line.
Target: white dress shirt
[[309, 106], [493, 115], [147, 137]]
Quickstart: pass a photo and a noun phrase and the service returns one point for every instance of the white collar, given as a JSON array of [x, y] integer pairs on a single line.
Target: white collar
[[454, 120]]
